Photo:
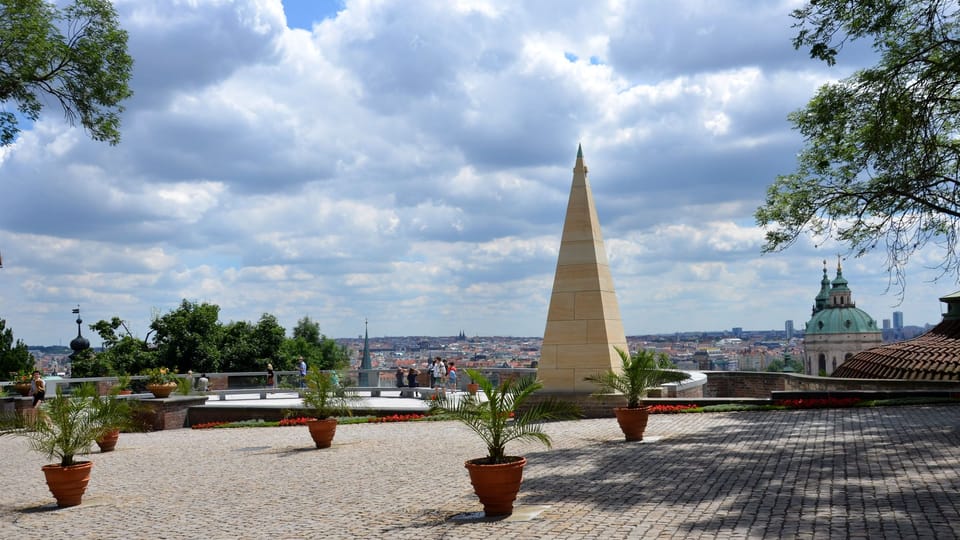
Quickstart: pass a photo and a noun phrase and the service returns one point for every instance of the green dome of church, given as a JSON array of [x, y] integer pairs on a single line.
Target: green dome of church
[[834, 311], [841, 320]]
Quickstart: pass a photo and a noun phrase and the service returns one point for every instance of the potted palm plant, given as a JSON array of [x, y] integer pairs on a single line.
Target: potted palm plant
[[123, 384], [637, 374], [115, 414], [324, 399], [507, 414], [62, 428], [472, 386]]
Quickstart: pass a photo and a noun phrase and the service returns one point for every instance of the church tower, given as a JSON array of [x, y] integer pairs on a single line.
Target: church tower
[[838, 329], [583, 322]]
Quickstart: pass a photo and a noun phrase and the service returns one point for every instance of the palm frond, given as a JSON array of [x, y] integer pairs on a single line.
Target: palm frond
[[497, 420], [637, 374]]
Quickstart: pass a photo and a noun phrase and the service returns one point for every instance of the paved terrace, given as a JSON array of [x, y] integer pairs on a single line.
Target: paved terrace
[[842, 473]]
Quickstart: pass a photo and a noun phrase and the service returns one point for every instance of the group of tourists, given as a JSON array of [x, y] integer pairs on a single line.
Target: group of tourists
[[442, 375], [273, 381]]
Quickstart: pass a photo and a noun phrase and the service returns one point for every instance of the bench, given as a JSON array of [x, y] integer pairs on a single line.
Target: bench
[[263, 392], [405, 391]]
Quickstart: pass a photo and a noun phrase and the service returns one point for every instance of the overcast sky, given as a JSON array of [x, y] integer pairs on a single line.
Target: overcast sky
[[409, 163]]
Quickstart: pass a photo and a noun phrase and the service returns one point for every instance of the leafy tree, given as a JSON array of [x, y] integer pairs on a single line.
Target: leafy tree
[[308, 330], [14, 355], [332, 355], [881, 154], [86, 69], [122, 352], [318, 350], [249, 347], [87, 363], [294, 348], [779, 364], [237, 350], [268, 336], [189, 338]]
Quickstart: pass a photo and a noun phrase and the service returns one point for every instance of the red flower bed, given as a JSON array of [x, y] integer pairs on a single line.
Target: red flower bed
[[397, 418], [299, 421], [818, 403], [670, 409], [207, 425]]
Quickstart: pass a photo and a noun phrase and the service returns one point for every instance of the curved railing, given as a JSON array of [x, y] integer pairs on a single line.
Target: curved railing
[[380, 378]]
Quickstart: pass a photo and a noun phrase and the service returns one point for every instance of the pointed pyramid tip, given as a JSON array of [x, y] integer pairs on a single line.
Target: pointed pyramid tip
[[579, 151]]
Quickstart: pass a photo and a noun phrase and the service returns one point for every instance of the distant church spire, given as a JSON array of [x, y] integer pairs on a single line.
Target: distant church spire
[[365, 363], [823, 296]]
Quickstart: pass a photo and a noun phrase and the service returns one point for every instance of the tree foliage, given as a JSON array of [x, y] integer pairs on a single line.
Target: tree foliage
[[76, 55], [122, 353], [880, 166], [14, 355], [248, 347], [87, 363], [318, 350], [308, 330], [189, 338], [780, 364]]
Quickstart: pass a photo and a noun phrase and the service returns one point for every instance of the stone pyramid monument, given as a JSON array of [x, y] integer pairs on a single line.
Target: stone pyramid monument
[[583, 323]]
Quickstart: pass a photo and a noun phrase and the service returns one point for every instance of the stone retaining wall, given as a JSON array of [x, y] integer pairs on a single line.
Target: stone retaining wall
[[749, 384], [168, 413]]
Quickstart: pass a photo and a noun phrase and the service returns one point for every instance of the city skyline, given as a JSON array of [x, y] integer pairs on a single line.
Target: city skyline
[[409, 163]]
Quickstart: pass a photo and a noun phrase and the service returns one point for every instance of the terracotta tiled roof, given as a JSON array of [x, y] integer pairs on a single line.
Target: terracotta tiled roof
[[934, 356]]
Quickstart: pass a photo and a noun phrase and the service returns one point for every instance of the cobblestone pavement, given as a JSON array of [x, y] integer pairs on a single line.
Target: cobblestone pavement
[[843, 473]]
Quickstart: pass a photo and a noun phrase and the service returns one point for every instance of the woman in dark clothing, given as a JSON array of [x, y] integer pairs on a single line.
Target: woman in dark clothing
[[400, 377], [412, 377]]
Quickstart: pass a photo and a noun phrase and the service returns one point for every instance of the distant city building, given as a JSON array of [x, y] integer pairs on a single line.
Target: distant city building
[[898, 320], [886, 324], [837, 329], [737, 332], [788, 329]]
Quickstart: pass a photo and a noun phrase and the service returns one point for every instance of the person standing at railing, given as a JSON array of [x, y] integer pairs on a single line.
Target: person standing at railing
[[270, 380], [302, 366], [439, 373], [412, 376], [38, 389], [452, 376], [400, 376]]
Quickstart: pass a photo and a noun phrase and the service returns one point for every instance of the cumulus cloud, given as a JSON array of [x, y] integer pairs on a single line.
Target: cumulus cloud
[[409, 163]]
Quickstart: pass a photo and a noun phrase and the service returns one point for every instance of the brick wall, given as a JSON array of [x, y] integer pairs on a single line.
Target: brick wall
[[168, 413]]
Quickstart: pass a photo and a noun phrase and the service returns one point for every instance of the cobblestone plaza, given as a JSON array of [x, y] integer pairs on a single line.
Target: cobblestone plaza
[[884, 472]]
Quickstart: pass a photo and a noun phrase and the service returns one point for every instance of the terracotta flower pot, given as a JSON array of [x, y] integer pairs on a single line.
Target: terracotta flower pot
[[68, 484], [473, 388], [496, 485], [109, 441], [162, 390], [633, 422], [323, 431], [22, 388]]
